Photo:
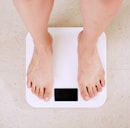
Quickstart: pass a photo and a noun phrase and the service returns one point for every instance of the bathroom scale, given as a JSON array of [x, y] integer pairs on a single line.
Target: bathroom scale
[[65, 93]]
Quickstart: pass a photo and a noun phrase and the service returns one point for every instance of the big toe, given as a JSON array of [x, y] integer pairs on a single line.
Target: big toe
[[47, 93]]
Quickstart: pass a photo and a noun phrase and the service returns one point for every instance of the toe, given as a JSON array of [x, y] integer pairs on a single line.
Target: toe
[[99, 87], [90, 91], [37, 90], [84, 92], [102, 82], [95, 91], [41, 93], [33, 89], [47, 94]]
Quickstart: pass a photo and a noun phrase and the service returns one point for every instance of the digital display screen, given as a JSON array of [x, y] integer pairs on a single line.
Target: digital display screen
[[65, 94]]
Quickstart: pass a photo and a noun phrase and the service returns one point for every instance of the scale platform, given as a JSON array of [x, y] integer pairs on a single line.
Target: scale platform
[[65, 93]]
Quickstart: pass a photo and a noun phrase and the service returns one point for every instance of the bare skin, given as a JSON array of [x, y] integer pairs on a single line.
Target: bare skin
[[97, 14], [35, 14]]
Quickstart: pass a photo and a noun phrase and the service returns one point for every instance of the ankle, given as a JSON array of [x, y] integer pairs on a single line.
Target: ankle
[[87, 41], [89, 36], [43, 42], [87, 50], [43, 51], [87, 45], [42, 38]]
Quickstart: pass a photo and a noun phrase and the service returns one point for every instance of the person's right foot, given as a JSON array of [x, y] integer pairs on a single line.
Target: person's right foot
[[40, 75]]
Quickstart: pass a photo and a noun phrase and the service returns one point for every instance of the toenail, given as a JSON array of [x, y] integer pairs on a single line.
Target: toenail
[[46, 98], [86, 98]]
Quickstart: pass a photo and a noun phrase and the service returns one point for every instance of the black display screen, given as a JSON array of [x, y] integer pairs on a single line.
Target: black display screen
[[65, 94]]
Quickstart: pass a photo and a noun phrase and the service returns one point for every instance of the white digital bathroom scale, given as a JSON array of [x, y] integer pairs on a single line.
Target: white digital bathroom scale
[[66, 93]]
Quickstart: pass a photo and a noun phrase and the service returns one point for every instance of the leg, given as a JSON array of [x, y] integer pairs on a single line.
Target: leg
[[97, 14], [35, 14]]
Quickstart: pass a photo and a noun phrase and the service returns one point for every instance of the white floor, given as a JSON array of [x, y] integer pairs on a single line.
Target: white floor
[[16, 113]]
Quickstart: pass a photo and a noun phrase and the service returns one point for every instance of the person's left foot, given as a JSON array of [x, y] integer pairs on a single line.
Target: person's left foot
[[90, 70]]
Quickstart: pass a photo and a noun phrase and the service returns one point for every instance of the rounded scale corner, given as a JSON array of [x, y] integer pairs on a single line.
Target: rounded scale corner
[[101, 103], [104, 34], [102, 37], [28, 37], [29, 103]]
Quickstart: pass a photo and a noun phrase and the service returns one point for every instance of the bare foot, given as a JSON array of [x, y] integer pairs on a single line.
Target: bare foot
[[39, 75], [90, 70]]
